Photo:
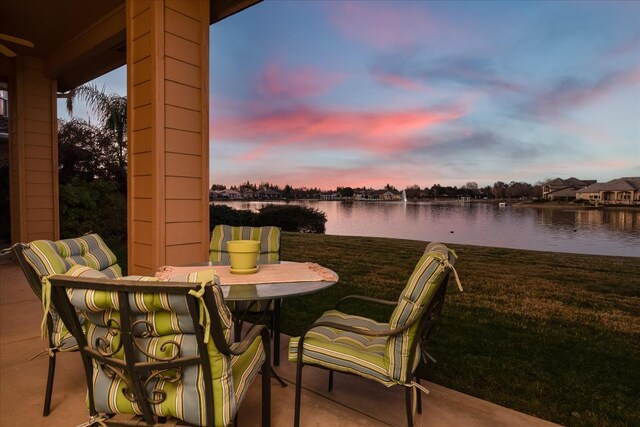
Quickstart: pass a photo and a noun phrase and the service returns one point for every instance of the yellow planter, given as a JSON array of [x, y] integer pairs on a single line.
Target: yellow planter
[[243, 255]]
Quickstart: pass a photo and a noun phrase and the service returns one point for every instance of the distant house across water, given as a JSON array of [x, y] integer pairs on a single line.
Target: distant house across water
[[268, 193], [329, 196], [564, 189], [390, 195], [621, 191], [225, 194]]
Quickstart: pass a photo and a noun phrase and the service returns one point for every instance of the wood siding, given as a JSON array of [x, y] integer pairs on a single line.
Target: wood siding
[[33, 153], [168, 90]]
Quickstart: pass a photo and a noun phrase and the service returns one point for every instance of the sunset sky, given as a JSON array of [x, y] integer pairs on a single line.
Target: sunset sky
[[364, 93]]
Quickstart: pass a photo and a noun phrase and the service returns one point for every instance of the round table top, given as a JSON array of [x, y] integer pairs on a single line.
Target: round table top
[[266, 291]]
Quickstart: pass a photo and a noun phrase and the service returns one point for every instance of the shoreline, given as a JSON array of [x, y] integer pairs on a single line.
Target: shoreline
[[509, 203], [552, 205]]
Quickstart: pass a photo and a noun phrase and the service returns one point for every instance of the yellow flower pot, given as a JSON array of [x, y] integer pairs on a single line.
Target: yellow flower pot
[[243, 255]]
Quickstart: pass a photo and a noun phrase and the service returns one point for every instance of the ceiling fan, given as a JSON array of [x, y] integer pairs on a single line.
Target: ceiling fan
[[17, 40]]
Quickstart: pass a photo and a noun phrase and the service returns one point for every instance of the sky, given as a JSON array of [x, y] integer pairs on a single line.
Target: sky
[[365, 93]]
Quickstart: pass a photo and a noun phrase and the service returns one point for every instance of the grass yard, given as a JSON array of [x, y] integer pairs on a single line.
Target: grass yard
[[550, 334]]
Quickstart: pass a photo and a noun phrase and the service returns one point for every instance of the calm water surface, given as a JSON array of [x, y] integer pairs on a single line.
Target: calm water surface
[[599, 232]]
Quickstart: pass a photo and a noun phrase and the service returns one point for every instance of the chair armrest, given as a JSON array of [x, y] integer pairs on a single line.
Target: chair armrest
[[368, 299], [361, 331], [242, 346]]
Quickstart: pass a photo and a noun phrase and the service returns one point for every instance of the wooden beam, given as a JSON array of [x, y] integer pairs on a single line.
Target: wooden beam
[[221, 9], [102, 45]]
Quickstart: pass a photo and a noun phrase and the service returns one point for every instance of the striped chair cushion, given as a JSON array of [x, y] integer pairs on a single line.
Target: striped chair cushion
[[48, 257], [269, 238], [426, 279], [168, 321], [61, 338], [345, 351], [384, 359]]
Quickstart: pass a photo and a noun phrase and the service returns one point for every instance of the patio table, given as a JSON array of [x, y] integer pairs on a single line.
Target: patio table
[[272, 281]]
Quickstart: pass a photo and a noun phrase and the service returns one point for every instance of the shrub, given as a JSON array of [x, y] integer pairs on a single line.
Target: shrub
[[93, 206], [298, 218], [223, 214]]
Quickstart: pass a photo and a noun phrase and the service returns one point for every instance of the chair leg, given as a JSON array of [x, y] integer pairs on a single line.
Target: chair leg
[[276, 332], [237, 330], [408, 393], [296, 419], [49, 389], [330, 380], [419, 401], [266, 382]]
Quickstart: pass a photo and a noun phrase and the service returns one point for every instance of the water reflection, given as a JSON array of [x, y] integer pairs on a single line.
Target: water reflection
[[597, 231]]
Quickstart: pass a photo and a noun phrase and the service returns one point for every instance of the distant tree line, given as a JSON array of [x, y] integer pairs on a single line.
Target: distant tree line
[[287, 192], [499, 190]]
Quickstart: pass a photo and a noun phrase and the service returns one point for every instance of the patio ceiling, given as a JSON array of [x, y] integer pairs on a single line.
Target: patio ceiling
[[76, 40]]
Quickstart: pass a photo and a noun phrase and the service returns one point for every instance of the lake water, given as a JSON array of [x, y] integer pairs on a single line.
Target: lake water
[[599, 232]]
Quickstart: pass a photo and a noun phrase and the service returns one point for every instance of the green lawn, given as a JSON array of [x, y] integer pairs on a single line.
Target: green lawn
[[553, 335]]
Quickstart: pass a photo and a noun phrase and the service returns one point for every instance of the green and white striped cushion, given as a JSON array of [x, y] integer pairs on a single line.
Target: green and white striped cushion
[[426, 279], [48, 257], [345, 351], [169, 321], [84, 271], [269, 238], [383, 359], [61, 338]]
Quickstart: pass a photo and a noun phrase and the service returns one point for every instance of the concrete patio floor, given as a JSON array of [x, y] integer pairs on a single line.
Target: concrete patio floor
[[353, 401]]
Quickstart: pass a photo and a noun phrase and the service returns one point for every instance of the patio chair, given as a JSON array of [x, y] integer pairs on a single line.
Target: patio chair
[[256, 311], [161, 349], [42, 258], [389, 353]]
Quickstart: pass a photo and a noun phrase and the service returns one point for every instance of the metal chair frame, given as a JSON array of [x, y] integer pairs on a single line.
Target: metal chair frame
[[136, 373], [427, 319], [36, 286]]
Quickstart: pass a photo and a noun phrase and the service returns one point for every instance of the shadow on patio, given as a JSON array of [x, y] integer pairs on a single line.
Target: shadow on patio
[[352, 402]]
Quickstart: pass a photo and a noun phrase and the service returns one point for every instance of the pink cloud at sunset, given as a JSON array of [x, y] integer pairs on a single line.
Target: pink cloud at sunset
[[374, 132], [328, 178], [278, 80], [628, 47], [392, 24], [398, 81], [380, 24]]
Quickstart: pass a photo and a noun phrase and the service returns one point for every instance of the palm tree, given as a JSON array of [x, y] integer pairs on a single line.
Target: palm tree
[[110, 109]]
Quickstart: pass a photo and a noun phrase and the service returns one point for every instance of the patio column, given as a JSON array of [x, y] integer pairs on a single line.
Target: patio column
[[168, 135], [33, 152]]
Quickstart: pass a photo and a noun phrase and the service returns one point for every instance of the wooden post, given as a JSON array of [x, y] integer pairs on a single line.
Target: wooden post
[[33, 152], [168, 133]]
